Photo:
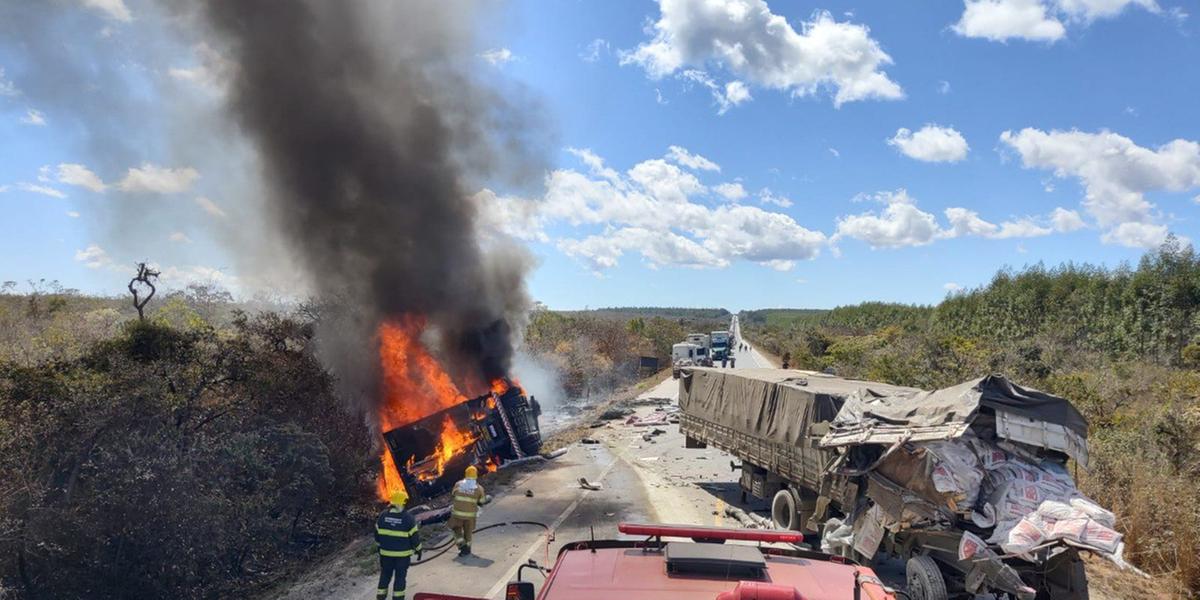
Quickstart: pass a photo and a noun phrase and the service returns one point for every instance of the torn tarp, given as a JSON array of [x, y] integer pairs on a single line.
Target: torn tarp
[[772, 404], [1022, 414]]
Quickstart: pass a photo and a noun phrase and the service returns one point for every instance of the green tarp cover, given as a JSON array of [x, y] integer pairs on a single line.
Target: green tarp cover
[[775, 404]]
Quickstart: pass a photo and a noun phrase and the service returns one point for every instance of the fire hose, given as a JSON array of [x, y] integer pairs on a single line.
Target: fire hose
[[442, 549]]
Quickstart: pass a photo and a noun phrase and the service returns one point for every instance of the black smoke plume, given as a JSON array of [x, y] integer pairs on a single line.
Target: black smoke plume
[[372, 133]]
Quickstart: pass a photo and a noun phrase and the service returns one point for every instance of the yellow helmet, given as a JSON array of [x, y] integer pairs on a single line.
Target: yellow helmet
[[399, 497], [472, 472]]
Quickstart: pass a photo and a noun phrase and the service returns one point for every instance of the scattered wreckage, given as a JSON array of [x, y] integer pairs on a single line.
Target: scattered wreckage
[[968, 484]]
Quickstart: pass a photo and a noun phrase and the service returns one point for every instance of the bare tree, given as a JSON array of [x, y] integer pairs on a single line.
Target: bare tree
[[146, 277]]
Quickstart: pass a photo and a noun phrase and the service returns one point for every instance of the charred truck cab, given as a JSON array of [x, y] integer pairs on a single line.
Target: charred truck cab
[[968, 484], [492, 429]]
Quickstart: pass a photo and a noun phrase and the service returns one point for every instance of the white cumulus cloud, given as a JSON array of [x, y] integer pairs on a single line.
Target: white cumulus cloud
[[931, 143], [1036, 20], [210, 207], [1136, 235], [1066, 221], [726, 96], [77, 174], [159, 180], [1115, 172], [899, 224], [754, 45], [657, 247], [766, 196], [1090, 10], [732, 191], [656, 210], [113, 9], [179, 237], [7, 87], [682, 157], [592, 52], [34, 117], [966, 222], [1000, 20], [44, 190], [497, 56], [94, 257]]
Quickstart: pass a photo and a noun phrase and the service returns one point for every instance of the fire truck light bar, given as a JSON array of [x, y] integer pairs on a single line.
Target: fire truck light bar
[[712, 533]]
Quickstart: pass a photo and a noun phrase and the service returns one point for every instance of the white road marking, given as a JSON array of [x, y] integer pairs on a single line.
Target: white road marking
[[512, 571]]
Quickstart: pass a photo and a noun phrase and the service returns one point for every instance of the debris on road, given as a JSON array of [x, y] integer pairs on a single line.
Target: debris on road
[[748, 520], [528, 493], [651, 420], [589, 441], [616, 412], [585, 484]]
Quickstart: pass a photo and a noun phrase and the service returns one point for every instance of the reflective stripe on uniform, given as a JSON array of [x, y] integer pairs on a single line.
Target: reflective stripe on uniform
[[463, 515], [470, 499], [398, 593], [397, 532], [395, 553]]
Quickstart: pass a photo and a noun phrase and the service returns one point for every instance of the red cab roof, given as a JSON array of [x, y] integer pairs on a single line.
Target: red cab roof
[[642, 573]]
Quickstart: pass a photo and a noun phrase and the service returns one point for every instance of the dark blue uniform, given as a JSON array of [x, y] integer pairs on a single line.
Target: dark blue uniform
[[398, 536]]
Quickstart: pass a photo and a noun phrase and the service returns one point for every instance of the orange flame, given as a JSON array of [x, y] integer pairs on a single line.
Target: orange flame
[[389, 480], [414, 386]]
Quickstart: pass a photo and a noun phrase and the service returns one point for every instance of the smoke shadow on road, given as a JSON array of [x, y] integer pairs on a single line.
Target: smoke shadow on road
[[472, 560]]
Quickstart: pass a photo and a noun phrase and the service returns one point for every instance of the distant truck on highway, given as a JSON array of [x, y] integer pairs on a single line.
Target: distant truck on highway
[[779, 424], [705, 343], [720, 345], [683, 355]]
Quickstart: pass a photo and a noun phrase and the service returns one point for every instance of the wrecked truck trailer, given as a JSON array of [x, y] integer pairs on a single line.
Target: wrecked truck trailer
[[432, 453], [967, 484]]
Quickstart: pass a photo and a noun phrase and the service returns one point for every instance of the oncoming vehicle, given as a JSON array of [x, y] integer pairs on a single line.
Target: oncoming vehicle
[[697, 563], [721, 349]]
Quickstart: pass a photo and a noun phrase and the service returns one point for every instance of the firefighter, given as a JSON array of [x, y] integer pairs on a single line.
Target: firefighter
[[398, 536], [468, 496]]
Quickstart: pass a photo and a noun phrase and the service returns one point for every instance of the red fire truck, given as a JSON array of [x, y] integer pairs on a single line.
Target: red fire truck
[[697, 564]]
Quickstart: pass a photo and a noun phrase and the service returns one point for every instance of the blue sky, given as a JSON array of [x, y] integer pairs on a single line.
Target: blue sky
[[731, 153]]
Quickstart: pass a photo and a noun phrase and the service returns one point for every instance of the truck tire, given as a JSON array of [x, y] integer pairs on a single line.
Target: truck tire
[[925, 580], [1066, 581], [783, 511]]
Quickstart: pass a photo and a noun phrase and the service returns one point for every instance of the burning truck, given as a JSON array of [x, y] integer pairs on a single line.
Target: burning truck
[[490, 430], [431, 431]]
